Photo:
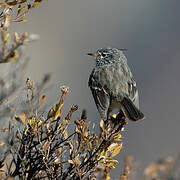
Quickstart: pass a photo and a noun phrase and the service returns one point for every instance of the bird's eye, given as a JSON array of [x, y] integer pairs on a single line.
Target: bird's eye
[[103, 54]]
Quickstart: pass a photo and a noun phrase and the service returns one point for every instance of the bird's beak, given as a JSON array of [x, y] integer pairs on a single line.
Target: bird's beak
[[91, 54]]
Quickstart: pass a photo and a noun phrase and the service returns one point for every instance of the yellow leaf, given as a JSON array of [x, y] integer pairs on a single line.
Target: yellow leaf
[[55, 111], [112, 146], [6, 38], [101, 124], [77, 131], [65, 122], [86, 127], [117, 137], [26, 130], [23, 118], [58, 112], [77, 161], [28, 167], [16, 37], [22, 16], [23, 20], [70, 161], [117, 150], [36, 3], [114, 116], [13, 56], [50, 113], [107, 176], [40, 123], [20, 9], [66, 134], [102, 153], [111, 163]]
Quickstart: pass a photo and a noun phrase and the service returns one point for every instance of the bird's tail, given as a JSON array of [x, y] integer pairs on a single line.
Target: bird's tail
[[132, 111]]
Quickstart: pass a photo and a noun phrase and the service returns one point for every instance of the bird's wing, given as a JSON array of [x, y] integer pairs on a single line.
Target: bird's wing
[[133, 92], [101, 97]]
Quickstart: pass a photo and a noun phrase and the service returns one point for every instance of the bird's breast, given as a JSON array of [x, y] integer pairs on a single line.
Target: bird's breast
[[113, 79]]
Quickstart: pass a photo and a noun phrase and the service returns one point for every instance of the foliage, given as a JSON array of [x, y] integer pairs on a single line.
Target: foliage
[[13, 11], [46, 148]]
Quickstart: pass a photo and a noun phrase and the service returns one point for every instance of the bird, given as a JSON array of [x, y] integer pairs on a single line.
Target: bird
[[112, 84]]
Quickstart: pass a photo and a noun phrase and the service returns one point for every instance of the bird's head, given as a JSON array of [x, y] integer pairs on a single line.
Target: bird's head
[[107, 55]]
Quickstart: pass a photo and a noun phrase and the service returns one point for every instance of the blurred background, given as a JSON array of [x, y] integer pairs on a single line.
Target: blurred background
[[150, 30]]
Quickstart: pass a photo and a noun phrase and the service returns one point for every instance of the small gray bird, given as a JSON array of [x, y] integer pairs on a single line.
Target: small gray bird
[[113, 86]]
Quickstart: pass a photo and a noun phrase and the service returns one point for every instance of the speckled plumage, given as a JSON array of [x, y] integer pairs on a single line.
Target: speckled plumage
[[113, 86]]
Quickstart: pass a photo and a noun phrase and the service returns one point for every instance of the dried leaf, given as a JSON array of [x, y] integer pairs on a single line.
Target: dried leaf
[[17, 118], [79, 122], [114, 116], [58, 111], [20, 9], [4, 130], [123, 177], [42, 99], [111, 163], [101, 124], [13, 3], [6, 38], [117, 150], [77, 131], [22, 1], [40, 123], [21, 17], [22, 20], [36, 3], [16, 37], [70, 161], [55, 111], [76, 161], [28, 167], [29, 6], [102, 153], [87, 126], [59, 151], [23, 118], [112, 146], [2, 143], [12, 56], [117, 137], [66, 134]]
